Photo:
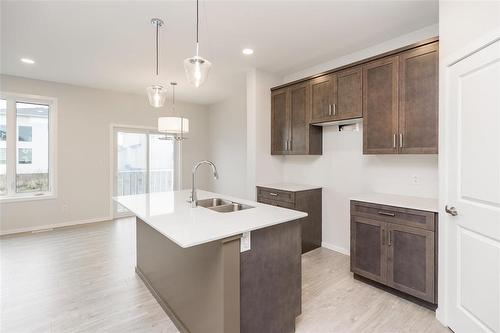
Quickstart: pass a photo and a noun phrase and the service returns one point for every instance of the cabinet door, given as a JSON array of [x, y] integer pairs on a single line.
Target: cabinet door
[[368, 250], [411, 261], [279, 121], [349, 94], [323, 93], [380, 106], [299, 119], [418, 100]]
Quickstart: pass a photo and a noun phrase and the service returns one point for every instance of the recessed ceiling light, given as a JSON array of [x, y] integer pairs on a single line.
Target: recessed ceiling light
[[28, 61], [247, 51]]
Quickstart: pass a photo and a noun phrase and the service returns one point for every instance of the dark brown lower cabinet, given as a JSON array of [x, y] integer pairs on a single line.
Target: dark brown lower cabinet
[[368, 250], [309, 201], [410, 261], [388, 248]]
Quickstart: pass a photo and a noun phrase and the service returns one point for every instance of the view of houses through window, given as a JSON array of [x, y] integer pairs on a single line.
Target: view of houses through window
[[32, 169], [27, 156]]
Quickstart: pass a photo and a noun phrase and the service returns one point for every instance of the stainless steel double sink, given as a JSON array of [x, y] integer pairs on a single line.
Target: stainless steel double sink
[[221, 205]]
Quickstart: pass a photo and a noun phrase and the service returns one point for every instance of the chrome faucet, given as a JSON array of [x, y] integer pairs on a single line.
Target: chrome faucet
[[193, 188]]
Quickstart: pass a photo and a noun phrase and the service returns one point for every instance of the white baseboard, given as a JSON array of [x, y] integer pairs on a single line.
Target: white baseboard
[[336, 248], [53, 226]]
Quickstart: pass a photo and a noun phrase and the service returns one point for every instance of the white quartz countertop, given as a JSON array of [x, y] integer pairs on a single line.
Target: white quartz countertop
[[291, 187], [426, 204], [171, 215]]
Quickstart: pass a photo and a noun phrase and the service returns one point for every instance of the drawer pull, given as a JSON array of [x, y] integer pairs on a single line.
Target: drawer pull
[[387, 214], [273, 194]]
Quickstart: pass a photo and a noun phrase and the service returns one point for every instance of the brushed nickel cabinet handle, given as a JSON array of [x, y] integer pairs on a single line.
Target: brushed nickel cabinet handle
[[394, 141], [387, 214], [286, 145], [289, 145], [334, 109], [329, 109], [400, 140], [383, 236], [390, 238], [273, 194]]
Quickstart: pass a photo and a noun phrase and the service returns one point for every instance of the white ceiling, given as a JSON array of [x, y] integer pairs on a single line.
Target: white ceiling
[[109, 44]]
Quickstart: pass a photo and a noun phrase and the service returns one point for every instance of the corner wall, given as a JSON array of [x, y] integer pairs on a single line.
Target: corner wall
[[83, 162], [227, 123], [262, 167]]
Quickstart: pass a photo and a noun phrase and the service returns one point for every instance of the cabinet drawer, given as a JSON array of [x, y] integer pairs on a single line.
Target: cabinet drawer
[[277, 203], [275, 195], [404, 216]]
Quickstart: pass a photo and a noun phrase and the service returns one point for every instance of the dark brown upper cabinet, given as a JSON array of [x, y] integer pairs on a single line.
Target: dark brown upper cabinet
[[349, 94], [396, 94], [418, 100], [380, 106], [400, 103], [323, 98], [291, 132], [337, 96], [279, 121]]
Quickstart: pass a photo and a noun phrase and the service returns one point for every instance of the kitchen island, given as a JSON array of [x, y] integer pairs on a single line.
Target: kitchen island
[[213, 269]]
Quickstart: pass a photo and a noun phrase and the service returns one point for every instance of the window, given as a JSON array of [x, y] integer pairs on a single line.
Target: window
[[24, 156], [27, 128], [25, 133]]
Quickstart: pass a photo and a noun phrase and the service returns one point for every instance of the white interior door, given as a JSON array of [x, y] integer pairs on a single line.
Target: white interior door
[[473, 154]]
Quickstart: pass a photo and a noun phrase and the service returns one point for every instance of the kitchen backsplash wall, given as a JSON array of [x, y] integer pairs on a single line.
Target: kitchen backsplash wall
[[343, 170]]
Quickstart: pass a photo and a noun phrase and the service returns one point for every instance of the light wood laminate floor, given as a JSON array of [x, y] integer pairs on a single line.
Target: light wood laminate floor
[[82, 279]]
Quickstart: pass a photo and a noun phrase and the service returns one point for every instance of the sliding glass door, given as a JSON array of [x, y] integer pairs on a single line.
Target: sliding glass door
[[143, 163]]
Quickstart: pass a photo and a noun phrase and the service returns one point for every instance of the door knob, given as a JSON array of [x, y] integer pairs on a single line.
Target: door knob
[[451, 210]]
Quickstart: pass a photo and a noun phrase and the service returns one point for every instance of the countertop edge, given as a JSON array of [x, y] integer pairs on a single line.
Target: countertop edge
[[417, 203], [214, 239]]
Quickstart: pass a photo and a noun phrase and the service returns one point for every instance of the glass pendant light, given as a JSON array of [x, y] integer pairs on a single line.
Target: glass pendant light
[[176, 126], [156, 92], [196, 67]]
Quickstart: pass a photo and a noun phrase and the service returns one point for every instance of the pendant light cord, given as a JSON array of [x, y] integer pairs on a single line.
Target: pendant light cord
[[197, 27], [173, 99], [157, 47]]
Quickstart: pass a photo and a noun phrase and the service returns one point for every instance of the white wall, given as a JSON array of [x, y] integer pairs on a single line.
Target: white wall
[[227, 123], [343, 170], [83, 163], [262, 167], [412, 37]]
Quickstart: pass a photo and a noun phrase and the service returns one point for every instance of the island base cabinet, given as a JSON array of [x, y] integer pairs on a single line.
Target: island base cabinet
[[215, 288], [387, 247]]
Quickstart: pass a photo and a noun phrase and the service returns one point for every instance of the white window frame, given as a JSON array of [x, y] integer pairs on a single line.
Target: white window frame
[[11, 145]]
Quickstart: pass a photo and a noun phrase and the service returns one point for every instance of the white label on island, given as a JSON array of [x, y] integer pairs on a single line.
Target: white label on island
[[245, 242]]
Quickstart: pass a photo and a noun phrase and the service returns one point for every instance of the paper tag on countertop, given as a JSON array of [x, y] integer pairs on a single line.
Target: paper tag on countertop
[[245, 242]]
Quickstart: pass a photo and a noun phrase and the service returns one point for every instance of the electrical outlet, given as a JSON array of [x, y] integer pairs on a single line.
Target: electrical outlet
[[415, 180]]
